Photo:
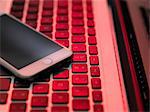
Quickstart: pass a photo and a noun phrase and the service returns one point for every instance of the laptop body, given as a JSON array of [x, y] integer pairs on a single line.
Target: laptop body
[[115, 95]]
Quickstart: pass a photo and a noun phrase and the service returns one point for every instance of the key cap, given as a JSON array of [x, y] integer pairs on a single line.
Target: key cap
[[38, 110], [97, 96], [4, 84], [62, 19], [89, 8], [3, 98], [62, 11], [63, 42], [93, 50], [77, 8], [48, 5], [20, 95], [79, 68], [95, 71], [62, 4], [33, 10], [16, 8], [90, 23], [80, 91], [62, 75], [91, 32], [34, 3], [78, 48], [94, 60], [90, 15], [60, 85], [98, 108], [18, 2], [31, 23], [46, 28], [60, 98], [80, 104], [79, 57], [78, 39], [60, 109], [32, 17], [77, 15], [96, 83], [47, 13], [17, 107], [40, 88], [80, 79], [62, 26], [21, 83], [46, 20], [49, 34], [92, 40], [62, 35], [17, 14], [77, 22], [39, 101], [78, 30]]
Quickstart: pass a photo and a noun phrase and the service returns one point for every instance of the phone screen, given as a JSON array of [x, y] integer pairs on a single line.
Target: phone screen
[[21, 46]]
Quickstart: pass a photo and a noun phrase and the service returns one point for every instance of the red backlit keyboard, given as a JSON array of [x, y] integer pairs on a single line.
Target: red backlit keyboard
[[75, 88]]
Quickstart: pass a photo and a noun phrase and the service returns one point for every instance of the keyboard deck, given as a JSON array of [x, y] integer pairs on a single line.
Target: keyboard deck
[[74, 88]]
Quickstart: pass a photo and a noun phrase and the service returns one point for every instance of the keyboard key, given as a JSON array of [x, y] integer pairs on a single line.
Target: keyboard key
[[90, 15], [62, 35], [79, 57], [49, 34], [48, 5], [78, 30], [62, 4], [95, 71], [16, 8], [21, 83], [17, 14], [97, 96], [98, 108], [33, 3], [62, 26], [94, 60], [33, 10], [80, 104], [77, 15], [96, 83], [40, 89], [77, 22], [92, 40], [39, 101], [77, 8], [17, 107], [60, 109], [46, 28], [93, 50], [60, 85], [78, 48], [4, 84], [78, 39], [60, 98], [62, 75], [18, 2], [32, 17], [90, 23], [3, 98], [47, 13], [62, 11], [91, 32], [63, 42], [80, 79], [62, 19], [31, 23], [46, 20], [79, 68], [38, 110], [80, 91], [20, 95]]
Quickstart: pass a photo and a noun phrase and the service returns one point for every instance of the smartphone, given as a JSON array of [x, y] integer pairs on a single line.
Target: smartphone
[[26, 52]]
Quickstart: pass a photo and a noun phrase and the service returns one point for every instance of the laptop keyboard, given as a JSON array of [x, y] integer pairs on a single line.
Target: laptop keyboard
[[74, 88]]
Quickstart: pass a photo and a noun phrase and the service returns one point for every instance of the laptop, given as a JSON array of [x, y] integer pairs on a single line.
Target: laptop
[[110, 67]]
